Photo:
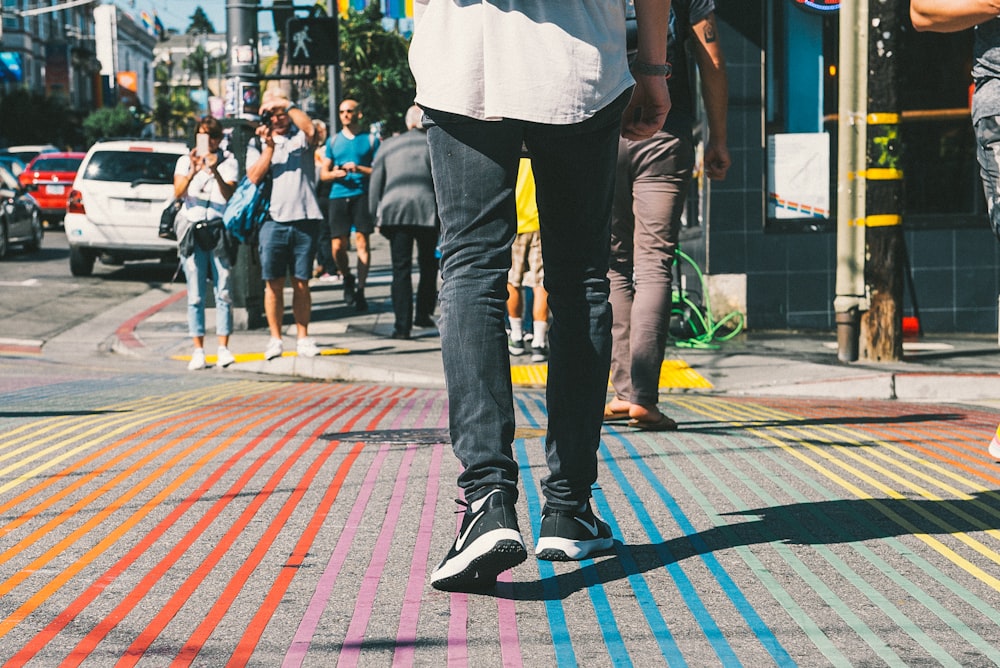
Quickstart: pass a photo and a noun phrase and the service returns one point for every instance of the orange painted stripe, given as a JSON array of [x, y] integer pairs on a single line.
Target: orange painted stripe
[[81, 602], [188, 588], [167, 426], [236, 584], [73, 511], [251, 636], [87, 644]]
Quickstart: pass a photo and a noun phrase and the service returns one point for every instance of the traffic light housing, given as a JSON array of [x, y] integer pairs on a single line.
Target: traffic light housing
[[312, 41]]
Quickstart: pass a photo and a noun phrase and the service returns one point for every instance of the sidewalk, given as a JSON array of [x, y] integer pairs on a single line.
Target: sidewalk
[[357, 348]]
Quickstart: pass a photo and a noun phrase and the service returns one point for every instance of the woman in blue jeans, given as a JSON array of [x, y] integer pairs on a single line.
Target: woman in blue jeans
[[206, 180]]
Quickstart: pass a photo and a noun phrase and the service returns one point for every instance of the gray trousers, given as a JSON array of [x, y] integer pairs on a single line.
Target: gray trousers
[[651, 187], [988, 153]]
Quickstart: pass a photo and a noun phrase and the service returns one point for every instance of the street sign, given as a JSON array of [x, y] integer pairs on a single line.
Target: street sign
[[312, 41]]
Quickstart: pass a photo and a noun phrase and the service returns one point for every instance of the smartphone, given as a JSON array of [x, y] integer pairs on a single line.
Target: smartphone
[[201, 144]]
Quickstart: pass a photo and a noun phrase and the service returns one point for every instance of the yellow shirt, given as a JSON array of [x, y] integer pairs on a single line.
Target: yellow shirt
[[524, 197]]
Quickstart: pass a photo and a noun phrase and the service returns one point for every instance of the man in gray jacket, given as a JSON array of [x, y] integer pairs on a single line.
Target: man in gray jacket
[[401, 193]]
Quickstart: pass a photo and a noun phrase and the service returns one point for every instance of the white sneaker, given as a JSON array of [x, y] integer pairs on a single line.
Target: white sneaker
[[224, 357], [306, 347], [197, 360], [274, 349]]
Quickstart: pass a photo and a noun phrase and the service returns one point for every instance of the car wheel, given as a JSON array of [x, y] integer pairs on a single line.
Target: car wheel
[[81, 262], [3, 239], [37, 232]]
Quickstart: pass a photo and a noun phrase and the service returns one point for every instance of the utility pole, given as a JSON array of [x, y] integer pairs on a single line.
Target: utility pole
[[870, 263], [882, 325], [242, 105]]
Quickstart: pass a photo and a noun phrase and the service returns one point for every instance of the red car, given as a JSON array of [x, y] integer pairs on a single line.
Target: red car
[[49, 177]]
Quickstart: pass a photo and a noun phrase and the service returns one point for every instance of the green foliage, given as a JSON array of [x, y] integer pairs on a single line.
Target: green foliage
[[374, 68], [118, 121], [175, 113], [200, 22]]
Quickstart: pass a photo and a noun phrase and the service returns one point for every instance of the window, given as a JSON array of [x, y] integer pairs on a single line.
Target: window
[[940, 184]]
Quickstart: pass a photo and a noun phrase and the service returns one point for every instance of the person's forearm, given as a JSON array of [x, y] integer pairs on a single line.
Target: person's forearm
[[304, 123], [715, 93], [951, 15], [651, 18], [258, 169]]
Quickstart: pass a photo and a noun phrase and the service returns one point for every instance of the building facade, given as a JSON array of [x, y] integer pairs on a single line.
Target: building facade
[[769, 230]]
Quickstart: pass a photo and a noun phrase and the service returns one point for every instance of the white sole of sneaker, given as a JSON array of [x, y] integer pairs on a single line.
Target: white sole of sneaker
[[553, 548], [481, 560], [994, 448]]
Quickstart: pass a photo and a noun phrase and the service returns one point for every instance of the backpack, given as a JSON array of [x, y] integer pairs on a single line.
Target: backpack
[[247, 209]]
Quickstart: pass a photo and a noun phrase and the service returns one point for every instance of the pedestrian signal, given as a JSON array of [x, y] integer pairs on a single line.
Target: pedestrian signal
[[312, 41]]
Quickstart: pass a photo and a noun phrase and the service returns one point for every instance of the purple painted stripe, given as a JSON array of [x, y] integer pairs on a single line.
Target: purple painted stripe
[[406, 637], [324, 588], [510, 642], [351, 649]]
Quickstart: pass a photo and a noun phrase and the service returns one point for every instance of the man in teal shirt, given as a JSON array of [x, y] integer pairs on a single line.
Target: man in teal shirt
[[348, 163]]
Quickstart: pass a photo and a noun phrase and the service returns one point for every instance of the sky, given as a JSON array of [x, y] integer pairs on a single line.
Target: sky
[[177, 13]]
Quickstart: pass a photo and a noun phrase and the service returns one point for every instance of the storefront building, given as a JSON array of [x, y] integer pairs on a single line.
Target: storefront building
[[770, 227]]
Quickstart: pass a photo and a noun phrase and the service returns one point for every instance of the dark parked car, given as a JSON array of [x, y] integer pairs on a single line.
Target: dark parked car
[[49, 177], [20, 216], [13, 163]]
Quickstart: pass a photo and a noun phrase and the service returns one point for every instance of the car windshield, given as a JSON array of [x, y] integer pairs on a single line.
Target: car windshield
[[131, 167], [57, 164]]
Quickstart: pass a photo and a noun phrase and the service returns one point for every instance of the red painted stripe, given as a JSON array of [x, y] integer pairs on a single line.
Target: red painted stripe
[[85, 646], [126, 331], [190, 586]]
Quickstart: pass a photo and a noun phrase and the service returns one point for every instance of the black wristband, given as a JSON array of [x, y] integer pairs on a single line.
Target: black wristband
[[648, 69]]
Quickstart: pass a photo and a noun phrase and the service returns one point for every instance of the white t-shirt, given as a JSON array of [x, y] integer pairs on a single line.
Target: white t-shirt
[[543, 61], [203, 199], [293, 170]]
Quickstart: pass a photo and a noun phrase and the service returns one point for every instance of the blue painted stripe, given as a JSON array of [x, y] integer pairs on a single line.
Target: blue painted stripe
[[561, 641], [687, 591], [644, 597], [739, 601], [595, 590]]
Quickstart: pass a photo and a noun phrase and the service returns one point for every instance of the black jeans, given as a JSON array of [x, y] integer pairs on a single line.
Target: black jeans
[[401, 241]]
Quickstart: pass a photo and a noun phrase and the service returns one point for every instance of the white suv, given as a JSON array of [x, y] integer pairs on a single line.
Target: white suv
[[113, 211]]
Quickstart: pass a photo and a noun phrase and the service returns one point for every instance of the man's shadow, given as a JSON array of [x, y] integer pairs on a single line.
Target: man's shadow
[[818, 523]]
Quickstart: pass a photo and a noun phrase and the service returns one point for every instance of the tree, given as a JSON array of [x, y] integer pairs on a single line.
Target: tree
[[200, 23], [117, 121], [374, 69]]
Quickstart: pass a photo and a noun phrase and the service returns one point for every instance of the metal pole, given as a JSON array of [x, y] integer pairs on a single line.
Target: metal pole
[[852, 141], [242, 98], [333, 72]]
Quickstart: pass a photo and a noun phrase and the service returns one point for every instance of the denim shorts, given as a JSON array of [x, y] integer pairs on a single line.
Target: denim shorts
[[285, 246]]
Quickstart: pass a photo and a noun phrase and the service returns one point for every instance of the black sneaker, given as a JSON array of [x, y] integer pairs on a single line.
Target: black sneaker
[[360, 303], [539, 353], [348, 288], [570, 535], [515, 346], [488, 543]]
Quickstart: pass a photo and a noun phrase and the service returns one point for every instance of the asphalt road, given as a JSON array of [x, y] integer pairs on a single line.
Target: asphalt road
[[150, 516], [154, 518], [42, 299]]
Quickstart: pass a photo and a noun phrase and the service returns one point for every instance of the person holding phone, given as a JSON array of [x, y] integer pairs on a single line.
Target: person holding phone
[[206, 179]]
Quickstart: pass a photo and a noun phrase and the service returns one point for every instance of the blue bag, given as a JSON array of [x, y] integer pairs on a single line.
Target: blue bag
[[247, 209]]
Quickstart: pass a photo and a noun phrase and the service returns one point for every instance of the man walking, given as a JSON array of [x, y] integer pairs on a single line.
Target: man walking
[[349, 157], [554, 77]]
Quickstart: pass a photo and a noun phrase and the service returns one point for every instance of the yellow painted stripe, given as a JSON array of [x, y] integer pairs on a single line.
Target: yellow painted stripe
[[674, 374], [882, 174], [883, 220], [259, 357], [60, 451], [796, 446], [883, 118]]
